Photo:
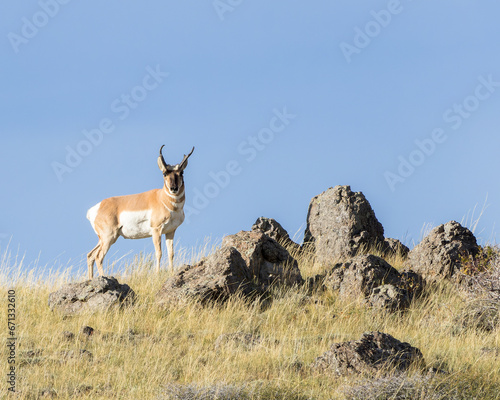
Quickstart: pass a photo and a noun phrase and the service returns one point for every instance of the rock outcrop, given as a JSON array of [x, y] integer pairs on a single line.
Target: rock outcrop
[[267, 260], [395, 247], [274, 230], [389, 297], [247, 264], [440, 253], [341, 222], [213, 278], [375, 351], [360, 275], [90, 296]]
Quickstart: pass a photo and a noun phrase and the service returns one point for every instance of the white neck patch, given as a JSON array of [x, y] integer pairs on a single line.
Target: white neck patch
[[173, 196]]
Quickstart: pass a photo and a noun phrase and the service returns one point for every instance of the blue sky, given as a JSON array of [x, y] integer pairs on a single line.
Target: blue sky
[[281, 99]]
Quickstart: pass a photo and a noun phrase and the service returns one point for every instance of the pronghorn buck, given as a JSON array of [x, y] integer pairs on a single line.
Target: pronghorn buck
[[150, 214]]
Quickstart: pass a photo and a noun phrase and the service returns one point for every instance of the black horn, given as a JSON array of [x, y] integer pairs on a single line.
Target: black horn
[[164, 167], [183, 164]]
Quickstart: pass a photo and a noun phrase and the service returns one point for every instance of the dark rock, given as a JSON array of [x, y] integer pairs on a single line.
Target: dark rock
[[440, 254], [247, 263], [360, 275], [340, 223], [93, 295], [375, 351], [268, 261], [215, 277], [389, 297], [274, 230], [87, 331], [393, 247]]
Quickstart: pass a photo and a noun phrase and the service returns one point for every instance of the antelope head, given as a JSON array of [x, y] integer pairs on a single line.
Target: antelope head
[[173, 174]]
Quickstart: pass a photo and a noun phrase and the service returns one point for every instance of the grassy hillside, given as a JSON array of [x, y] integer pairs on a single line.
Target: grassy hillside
[[144, 352]]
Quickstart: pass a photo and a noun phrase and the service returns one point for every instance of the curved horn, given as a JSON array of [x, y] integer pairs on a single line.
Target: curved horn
[[164, 167], [183, 164]]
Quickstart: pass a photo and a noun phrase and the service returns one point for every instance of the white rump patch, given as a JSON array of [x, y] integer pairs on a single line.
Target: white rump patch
[[136, 224], [92, 214]]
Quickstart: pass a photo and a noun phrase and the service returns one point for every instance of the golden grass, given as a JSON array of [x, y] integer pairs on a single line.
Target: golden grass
[[175, 346]]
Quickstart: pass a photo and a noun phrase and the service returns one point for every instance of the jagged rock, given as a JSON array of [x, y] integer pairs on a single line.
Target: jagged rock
[[93, 295], [360, 275], [267, 260], [389, 297], [247, 263], [215, 277], [439, 254], [339, 224], [395, 247], [274, 230], [375, 351]]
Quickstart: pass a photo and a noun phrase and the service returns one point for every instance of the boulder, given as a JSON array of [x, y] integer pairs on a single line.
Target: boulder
[[389, 297], [97, 294], [360, 275], [375, 351], [247, 263], [268, 261], [393, 247], [340, 223], [214, 278], [274, 230], [440, 254]]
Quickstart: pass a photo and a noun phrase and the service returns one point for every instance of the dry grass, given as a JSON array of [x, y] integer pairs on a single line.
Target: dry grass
[[145, 352]]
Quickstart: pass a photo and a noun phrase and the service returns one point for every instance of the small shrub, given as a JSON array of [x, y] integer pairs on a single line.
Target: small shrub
[[480, 263]]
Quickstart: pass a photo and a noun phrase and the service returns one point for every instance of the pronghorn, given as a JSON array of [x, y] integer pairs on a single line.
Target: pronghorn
[[136, 216]]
